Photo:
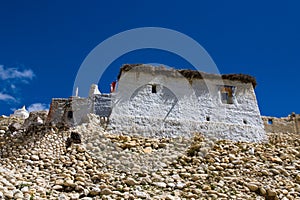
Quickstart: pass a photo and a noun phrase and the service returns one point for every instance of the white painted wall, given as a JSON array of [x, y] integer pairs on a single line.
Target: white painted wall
[[138, 110]]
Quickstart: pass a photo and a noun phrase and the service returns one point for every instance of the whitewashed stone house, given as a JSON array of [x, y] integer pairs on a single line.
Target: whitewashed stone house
[[158, 101]]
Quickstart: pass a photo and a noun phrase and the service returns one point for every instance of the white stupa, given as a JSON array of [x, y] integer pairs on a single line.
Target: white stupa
[[94, 90], [21, 113]]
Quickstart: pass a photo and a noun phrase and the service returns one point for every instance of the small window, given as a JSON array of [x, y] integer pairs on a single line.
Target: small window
[[227, 93], [270, 121], [208, 119], [70, 115], [154, 89], [245, 121]]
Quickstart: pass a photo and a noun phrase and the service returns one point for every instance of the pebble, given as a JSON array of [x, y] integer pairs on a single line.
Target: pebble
[[206, 187], [18, 195], [34, 158], [141, 194], [252, 187], [271, 193], [131, 182], [74, 196], [180, 185], [160, 184], [57, 187], [106, 191], [95, 191], [9, 194], [148, 150], [262, 191], [69, 183]]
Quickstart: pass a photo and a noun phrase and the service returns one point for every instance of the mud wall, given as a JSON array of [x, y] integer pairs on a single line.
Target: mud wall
[[290, 124]]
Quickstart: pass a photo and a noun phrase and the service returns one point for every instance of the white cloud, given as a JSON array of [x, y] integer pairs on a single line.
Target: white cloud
[[6, 97], [14, 73], [12, 79], [38, 107]]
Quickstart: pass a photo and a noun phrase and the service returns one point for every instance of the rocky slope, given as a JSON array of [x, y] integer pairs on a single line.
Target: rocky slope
[[44, 162]]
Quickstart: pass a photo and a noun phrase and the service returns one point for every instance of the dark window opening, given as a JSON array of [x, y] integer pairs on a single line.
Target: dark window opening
[[70, 115], [154, 89], [227, 93], [270, 121], [208, 119], [245, 121]]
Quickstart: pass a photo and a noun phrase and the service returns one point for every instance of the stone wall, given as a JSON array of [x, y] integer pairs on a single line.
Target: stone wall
[[290, 124], [69, 111], [79, 108], [157, 128], [57, 110], [74, 110], [168, 104]]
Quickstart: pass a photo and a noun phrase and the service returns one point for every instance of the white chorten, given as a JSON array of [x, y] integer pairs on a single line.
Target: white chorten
[[94, 90], [21, 113]]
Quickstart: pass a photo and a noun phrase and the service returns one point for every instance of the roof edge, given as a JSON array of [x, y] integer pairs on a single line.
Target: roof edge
[[194, 74]]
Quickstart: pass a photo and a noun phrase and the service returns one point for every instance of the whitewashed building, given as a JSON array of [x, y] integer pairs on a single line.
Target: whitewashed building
[[158, 101], [163, 102]]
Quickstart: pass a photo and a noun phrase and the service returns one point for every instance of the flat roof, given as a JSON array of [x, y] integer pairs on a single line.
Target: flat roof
[[187, 73]]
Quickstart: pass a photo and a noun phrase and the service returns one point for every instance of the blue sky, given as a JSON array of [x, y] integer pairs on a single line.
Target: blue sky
[[43, 44]]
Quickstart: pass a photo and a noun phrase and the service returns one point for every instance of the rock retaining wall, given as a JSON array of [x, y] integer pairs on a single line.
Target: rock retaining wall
[[35, 164]]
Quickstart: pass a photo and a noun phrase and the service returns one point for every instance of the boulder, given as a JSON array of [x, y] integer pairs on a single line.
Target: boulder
[[76, 138], [36, 118], [14, 127]]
